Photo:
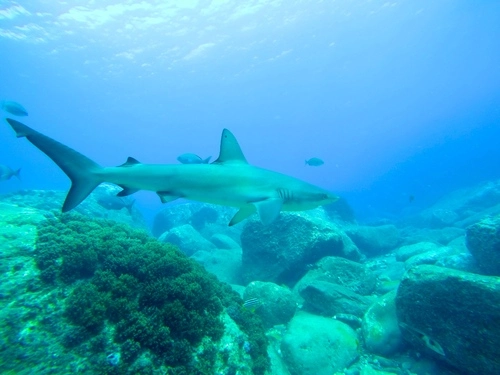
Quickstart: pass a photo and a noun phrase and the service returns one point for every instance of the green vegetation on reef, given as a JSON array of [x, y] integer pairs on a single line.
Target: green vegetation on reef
[[150, 296]]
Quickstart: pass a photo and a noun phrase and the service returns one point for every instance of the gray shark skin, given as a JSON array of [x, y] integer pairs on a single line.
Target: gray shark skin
[[228, 181]]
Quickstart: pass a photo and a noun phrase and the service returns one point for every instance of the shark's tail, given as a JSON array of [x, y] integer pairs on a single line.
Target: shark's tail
[[17, 173], [82, 171]]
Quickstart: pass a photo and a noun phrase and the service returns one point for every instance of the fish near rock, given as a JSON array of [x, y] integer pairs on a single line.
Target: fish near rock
[[14, 108], [189, 158], [6, 173], [315, 162]]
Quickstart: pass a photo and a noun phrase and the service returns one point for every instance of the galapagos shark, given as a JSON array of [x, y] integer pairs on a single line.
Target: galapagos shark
[[228, 181]]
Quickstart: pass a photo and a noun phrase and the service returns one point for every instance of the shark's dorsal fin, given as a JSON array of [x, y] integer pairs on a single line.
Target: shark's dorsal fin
[[230, 150], [130, 161]]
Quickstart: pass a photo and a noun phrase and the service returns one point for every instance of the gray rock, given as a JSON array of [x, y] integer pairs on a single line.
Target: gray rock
[[459, 244], [329, 299], [187, 239], [225, 264], [352, 275], [441, 236], [483, 241], [52, 200], [276, 304], [463, 261], [374, 240], [201, 216], [439, 218], [380, 328], [315, 345], [407, 251], [223, 241], [452, 316], [469, 205], [429, 257], [281, 251]]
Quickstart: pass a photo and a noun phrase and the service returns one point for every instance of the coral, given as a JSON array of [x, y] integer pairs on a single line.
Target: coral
[[147, 295]]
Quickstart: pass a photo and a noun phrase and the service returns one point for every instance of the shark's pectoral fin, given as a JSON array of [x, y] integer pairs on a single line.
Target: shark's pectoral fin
[[269, 209], [126, 191], [166, 196], [242, 214]]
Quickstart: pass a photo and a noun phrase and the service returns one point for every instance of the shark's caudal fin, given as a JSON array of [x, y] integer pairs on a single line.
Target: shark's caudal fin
[[80, 169], [17, 173]]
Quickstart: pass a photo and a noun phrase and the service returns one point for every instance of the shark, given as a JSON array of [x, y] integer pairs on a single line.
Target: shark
[[230, 180]]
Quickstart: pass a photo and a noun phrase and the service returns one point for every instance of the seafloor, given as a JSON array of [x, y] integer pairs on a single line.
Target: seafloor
[[96, 291]]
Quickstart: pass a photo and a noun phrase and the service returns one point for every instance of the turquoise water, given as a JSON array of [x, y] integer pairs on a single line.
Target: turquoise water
[[400, 100]]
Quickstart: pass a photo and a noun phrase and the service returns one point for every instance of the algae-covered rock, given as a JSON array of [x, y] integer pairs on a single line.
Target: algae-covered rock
[[483, 241], [107, 299], [381, 332], [315, 345], [281, 251], [453, 316]]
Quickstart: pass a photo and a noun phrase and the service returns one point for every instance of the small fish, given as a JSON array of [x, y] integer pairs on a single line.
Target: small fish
[[14, 107], [411, 198], [251, 304], [6, 173], [112, 202], [315, 162], [189, 158], [426, 339]]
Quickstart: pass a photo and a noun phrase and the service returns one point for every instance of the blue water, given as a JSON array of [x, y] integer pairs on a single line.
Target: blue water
[[398, 98]]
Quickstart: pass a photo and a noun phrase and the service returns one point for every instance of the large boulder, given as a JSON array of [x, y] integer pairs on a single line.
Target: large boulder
[[315, 345], [101, 203], [483, 241], [462, 208], [275, 304], [281, 252], [346, 273], [380, 328], [187, 239], [205, 218], [453, 316], [225, 264], [329, 299], [407, 251], [374, 240]]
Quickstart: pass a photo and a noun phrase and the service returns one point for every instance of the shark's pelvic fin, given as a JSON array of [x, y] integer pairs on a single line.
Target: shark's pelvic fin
[[230, 150], [126, 191], [269, 209], [166, 196], [81, 170], [242, 214]]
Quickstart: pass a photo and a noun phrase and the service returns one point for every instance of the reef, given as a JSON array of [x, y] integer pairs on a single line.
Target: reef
[[123, 303]]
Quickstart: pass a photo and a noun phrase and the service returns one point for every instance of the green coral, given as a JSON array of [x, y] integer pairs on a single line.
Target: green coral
[[153, 296]]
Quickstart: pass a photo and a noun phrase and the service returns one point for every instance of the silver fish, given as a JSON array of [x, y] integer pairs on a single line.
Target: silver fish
[[189, 158], [6, 173]]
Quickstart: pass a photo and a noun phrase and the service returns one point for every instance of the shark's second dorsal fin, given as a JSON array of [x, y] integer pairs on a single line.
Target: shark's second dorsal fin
[[130, 161], [230, 150]]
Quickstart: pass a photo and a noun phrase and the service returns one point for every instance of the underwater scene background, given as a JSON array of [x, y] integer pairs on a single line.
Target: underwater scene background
[[393, 107]]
